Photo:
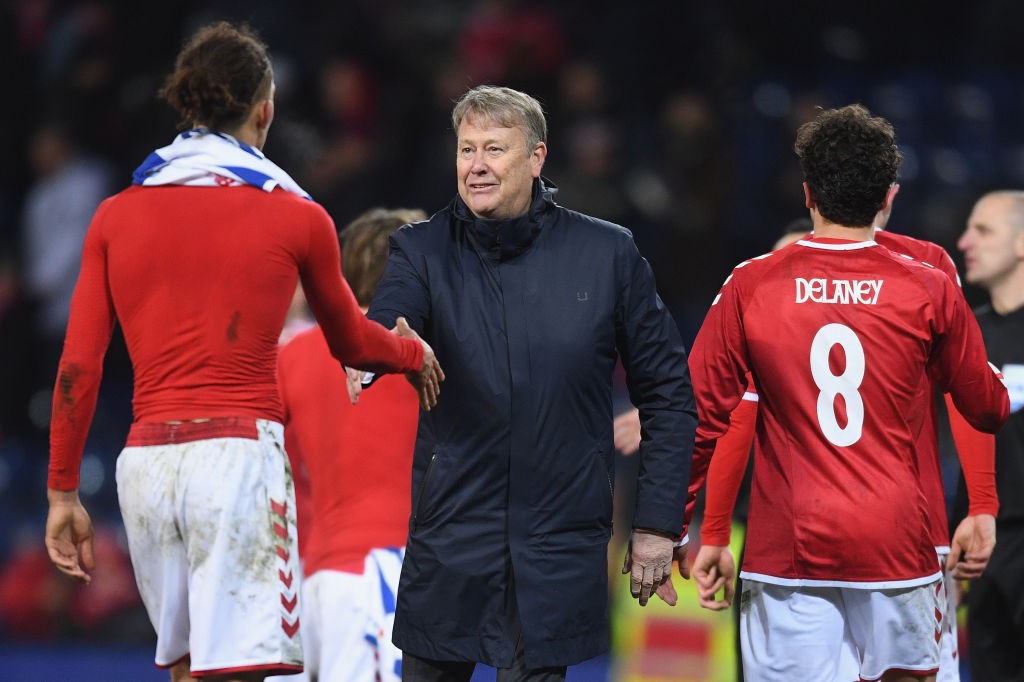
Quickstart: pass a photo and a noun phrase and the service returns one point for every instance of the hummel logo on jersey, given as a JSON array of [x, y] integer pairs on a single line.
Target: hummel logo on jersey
[[821, 290]]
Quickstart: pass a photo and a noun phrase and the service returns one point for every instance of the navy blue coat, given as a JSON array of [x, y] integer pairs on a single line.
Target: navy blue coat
[[512, 473]]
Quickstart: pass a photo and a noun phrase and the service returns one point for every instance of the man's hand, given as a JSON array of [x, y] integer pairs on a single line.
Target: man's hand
[[667, 591], [69, 535], [714, 569], [426, 381], [648, 562], [354, 382], [972, 546], [626, 428]]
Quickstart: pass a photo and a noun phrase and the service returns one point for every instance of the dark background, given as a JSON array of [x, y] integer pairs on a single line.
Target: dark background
[[675, 119]]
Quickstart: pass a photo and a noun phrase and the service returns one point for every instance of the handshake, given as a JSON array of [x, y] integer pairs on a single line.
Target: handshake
[[427, 380]]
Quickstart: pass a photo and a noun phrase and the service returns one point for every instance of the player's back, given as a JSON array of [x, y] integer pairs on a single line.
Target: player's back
[[838, 336], [201, 278]]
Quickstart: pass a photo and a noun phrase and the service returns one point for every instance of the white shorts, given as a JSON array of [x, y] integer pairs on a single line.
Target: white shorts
[[347, 620], [838, 634], [211, 533], [949, 654]]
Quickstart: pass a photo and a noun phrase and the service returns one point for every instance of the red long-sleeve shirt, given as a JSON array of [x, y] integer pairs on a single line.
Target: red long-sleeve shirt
[[359, 457], [200, 279]]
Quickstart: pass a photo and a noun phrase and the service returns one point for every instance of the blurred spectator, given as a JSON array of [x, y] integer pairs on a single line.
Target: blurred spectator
[[69, 185], [345, 169], [511, 42]]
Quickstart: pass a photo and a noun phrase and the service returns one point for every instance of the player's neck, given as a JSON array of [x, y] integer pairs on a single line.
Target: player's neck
[[1008, 295], [827, 230]]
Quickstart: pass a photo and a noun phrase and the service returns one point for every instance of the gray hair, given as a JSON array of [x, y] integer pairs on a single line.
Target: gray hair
[[507, 107]]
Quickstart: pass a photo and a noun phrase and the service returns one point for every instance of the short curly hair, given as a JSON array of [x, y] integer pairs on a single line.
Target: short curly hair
[[849, 160]]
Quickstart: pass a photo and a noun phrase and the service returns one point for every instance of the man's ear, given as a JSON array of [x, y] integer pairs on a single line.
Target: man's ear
[[808, 199], [540, 152], [265, 114]]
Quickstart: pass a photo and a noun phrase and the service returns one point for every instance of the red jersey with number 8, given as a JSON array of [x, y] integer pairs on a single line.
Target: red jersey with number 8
[[839, 337]]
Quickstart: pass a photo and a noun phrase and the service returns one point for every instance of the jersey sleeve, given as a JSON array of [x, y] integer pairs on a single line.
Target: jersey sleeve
[[960, 367], [725, 473], [718, 367], [977, 452], [353, 339], [90, 326]]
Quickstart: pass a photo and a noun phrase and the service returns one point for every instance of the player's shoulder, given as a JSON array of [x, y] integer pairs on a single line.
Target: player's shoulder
[[760, 265], [422, 232], [921, 250]]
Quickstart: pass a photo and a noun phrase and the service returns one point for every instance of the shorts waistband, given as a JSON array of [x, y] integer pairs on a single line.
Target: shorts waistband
[[169, 433]]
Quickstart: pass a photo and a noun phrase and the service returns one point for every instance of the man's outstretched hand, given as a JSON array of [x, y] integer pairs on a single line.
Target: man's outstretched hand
[[426, 381]]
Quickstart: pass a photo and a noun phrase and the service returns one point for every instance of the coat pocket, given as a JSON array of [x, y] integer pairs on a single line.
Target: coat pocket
[[417, 506]]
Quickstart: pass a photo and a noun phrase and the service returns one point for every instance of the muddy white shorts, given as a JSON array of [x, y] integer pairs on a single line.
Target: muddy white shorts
[[209, 511], [347, 620], [838, 634]]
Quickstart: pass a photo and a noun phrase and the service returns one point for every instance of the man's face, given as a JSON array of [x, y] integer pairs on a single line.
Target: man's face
[[992, 244], [495, 168]]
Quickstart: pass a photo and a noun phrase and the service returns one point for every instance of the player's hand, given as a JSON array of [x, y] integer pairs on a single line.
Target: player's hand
[[667, 591], [69, 535], [426, 381], [714, 569], [972, 545], [354, 383], [648, 563], [626, 429]]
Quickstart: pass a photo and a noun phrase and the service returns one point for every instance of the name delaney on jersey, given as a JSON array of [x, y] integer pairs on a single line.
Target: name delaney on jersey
[[821, 290]]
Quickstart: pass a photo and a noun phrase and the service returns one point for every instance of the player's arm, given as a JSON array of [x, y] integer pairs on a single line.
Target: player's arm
[[725, 473], [959, 364], [68, 534], [980, 449], [353, 339]]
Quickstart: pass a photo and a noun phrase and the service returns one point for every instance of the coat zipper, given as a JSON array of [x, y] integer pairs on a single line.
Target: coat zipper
[[423, 486]]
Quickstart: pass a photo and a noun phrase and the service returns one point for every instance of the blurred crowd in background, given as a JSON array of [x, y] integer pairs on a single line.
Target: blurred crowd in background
[[674, 119]]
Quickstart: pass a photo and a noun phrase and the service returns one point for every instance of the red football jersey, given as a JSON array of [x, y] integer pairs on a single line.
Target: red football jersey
[[200, 279], [839, 337], [358, 457]]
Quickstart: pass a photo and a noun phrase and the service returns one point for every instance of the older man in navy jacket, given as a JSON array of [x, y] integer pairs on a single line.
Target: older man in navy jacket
[[528, 304]]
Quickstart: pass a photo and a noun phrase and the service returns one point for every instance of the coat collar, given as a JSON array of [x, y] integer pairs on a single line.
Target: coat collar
[[500, 240]]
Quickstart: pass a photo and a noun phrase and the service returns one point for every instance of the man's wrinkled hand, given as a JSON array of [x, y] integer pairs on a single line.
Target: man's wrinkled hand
[[69, 535], [667, 591], [427, 380], [714, 569], [648, 562], [971, 547]]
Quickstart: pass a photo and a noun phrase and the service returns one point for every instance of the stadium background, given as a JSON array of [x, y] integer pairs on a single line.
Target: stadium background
[[675, 119]]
